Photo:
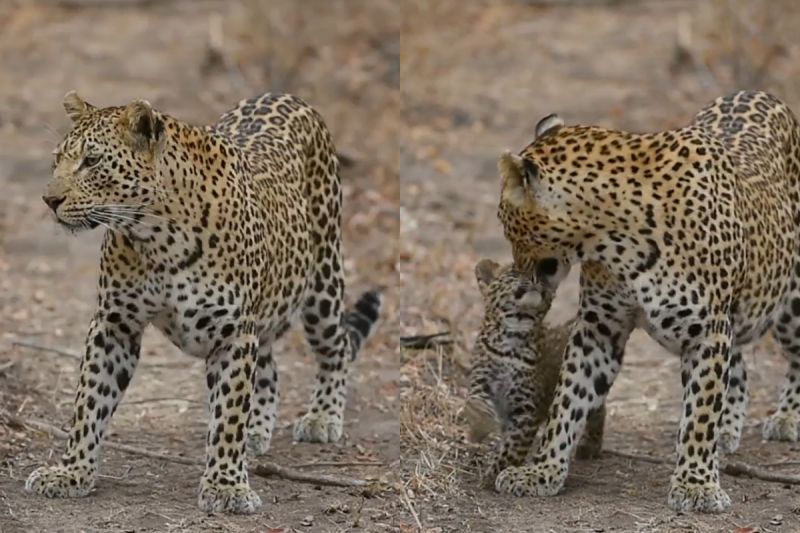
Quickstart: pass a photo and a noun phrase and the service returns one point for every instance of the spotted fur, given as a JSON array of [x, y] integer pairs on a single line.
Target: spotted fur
[[515, 365], [696, 230], [218, 236]]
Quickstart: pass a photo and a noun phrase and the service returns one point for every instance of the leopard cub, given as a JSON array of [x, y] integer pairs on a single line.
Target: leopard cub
[[516, 360]]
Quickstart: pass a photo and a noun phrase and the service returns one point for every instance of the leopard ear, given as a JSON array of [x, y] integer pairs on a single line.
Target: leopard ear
[[141, 123], [549, 125], [519, 176], [485, 273], [75, 106]]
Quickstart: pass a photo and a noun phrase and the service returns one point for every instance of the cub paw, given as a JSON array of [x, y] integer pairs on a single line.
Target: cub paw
[[490, 475], [782, 426], [59, 482], [531, 480], [233, 499], [257, 444], [322, 427], [704, 497], [479, 418]]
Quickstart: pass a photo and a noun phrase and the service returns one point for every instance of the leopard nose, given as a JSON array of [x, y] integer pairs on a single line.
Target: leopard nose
[[547, 267], [53, 201]]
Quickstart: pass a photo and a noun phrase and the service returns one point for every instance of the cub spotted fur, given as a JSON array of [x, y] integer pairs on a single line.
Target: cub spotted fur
[[516, 364]]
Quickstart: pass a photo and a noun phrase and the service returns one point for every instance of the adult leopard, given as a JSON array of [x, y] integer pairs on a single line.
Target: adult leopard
[[697, 229], [218, 236]]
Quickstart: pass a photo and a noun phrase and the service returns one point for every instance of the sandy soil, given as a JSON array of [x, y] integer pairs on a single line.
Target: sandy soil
[[193, 60], [475, 80]]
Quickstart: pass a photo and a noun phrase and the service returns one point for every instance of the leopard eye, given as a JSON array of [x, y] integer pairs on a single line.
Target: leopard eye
[[90, 160]]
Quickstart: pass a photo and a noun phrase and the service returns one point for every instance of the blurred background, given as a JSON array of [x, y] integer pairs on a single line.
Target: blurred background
[[476, 78], [193, 60]]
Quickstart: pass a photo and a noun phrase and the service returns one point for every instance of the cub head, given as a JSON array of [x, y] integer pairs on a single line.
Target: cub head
[[513, 297], [104, 169]]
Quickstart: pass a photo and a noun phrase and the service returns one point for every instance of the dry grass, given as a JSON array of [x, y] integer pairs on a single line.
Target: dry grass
[[429, 422]]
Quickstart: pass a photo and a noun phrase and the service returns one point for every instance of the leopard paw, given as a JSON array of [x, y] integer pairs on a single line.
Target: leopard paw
[[540, 479], [782, 426], [320, 426], [233, 499], [257, 444], [60, 482], [704, 497], [728, 441]]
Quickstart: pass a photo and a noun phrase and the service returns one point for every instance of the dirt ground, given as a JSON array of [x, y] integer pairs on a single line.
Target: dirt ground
[[476, 77], [192, 60]]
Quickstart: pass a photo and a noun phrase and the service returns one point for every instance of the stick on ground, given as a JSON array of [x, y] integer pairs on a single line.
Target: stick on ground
[[421, 342], [735, 469], [75, 355], [263, 469], [47, 349]]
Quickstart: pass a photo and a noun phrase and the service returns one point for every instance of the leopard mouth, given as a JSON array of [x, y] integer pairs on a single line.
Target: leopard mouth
[[72, 227]]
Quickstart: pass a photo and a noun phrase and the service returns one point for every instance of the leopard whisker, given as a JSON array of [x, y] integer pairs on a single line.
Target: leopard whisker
[[111, 216], [136, 210], [114, 217]]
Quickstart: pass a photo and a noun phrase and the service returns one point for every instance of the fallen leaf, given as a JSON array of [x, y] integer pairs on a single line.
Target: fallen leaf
[[745, 530]]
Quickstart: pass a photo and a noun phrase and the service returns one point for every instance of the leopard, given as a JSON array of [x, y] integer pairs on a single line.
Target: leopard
[[516, 359], [220, 237], [696, 231]]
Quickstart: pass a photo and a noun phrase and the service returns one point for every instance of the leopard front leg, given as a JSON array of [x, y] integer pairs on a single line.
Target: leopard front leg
[[737, 400], [479, 410], [323, 321], [108, 364], [694, 485], [224, 486], [784, 424], [265, 402], [591, 444], [591, 363]]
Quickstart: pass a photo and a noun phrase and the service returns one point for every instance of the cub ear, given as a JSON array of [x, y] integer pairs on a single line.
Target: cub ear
[[485, 273], [519, 178], [142, 125], [75, 106], [549, 125]]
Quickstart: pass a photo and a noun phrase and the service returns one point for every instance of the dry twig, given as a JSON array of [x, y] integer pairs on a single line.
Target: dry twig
[[410, 507], [76, 355], [777, 464], [101, 3], [735, 469], [422, 342], [337, 464], [580, 3], [47, 349], [266, 469]]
